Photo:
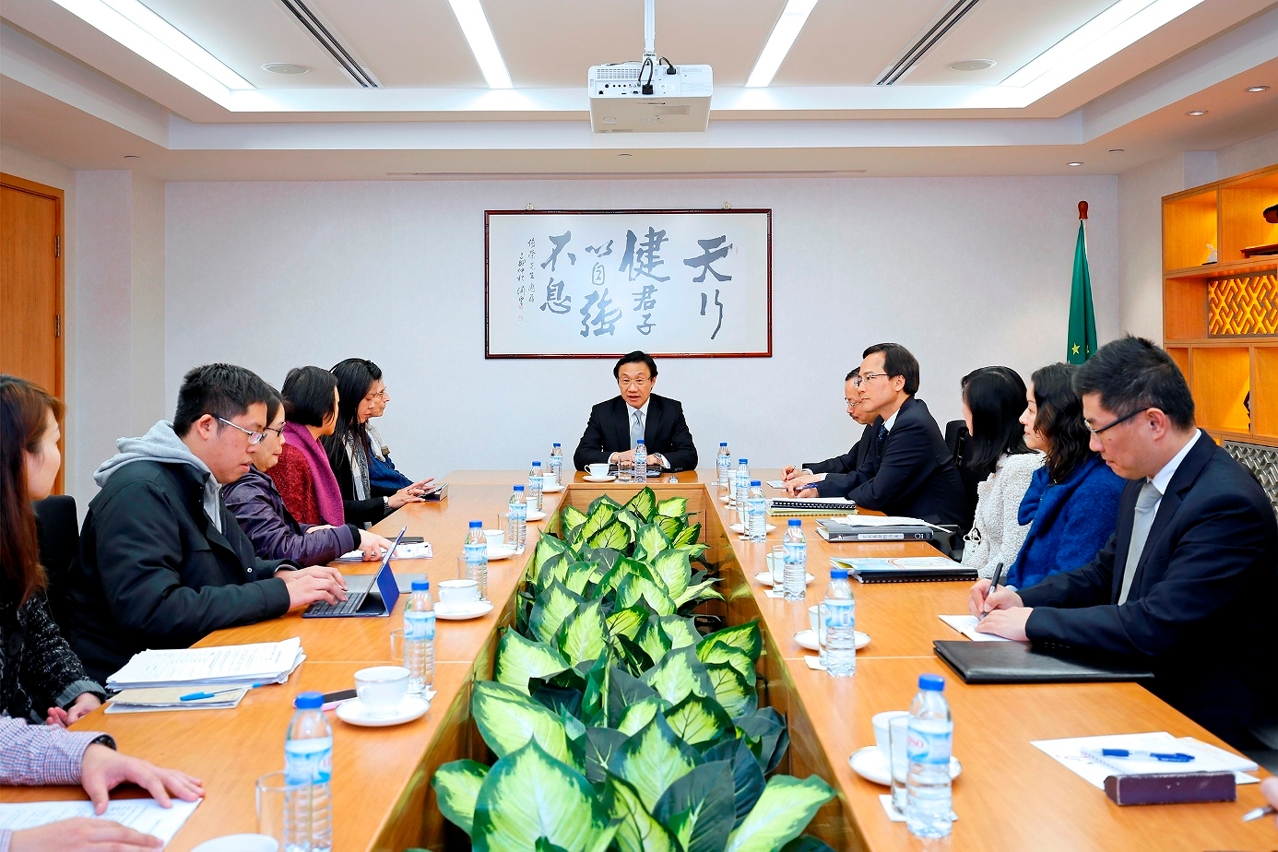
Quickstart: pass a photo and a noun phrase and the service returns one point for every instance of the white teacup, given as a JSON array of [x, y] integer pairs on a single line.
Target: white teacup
[[817, 622], [548, 480], [458, 592], [880, 722], [381, 688], [598, 470], [496, 539]]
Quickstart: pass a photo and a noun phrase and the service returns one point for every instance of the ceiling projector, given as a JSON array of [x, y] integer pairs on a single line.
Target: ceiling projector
[[650, 95]]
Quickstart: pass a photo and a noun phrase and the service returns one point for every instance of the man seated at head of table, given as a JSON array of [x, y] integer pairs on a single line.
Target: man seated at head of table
[[162, 560], [909, 470], [1187, 584], [617, 425], [853, 459]]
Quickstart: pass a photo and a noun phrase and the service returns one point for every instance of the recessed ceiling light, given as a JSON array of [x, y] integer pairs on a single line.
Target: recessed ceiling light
[[479, 35], [1075, 163], [1197, 112], [625, 154], [132, 157], [784, 32], [1115, 150], [1254, 89], [973, 64], [285, 68]]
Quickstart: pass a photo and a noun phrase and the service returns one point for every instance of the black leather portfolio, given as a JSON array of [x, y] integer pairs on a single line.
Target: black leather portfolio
[[1019, 662]]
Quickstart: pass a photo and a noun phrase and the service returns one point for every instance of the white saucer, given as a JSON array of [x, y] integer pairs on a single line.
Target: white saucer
[[808, 639], [535, 516], [462, 612], [503, 552], [590, 478], [765, 578], [354, 712], [551, 489], [872, 765], [767, 528]]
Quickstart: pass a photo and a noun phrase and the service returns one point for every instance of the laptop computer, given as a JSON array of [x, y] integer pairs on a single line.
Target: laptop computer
[[376, 600]]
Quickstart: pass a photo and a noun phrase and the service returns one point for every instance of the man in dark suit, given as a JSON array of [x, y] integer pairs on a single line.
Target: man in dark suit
[[162, 560], [908, 471], [850, 461], [616, 425], [1188, 582]]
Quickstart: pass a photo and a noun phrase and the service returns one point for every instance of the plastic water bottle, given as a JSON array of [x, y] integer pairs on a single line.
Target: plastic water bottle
[[756, 515], [419, 638], [641, 461], [557, 463], [928, 807], [795, 576], [724, 462], [534, 487], [518, 518], [840, 625], [475, 554], [741, 484], [308, 768]]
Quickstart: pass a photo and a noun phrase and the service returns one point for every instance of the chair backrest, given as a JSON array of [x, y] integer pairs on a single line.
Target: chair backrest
[[59, 531], [956, 436]]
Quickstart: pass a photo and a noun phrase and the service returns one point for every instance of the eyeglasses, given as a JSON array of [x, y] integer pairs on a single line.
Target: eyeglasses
[[279, 433], [254, 438], [865, 377], [1122, 419], [856, 401], [637, 383]]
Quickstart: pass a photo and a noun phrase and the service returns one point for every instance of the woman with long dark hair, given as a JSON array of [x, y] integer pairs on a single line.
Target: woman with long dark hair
[[1072, 501], [993, 399]]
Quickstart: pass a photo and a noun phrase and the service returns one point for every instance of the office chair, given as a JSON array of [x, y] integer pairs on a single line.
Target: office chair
[[58, 529]]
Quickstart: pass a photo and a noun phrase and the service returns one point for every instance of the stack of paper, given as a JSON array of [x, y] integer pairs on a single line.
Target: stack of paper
[[966, 624], [153, 700], [1081, 755], [144, 815], [229, 665]]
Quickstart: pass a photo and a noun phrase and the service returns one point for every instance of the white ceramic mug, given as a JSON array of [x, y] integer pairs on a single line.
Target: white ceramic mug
[[598, 470], [496, 539], [458, 592], [381, 688], [880, 722]]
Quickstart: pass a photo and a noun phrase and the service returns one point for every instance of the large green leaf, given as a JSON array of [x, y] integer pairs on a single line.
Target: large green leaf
[[508, 719], [807, 843], [673, 507], [700, 592], [601, 501], [653, 759], [529, 795], [766, 730], [625, 692], [628, 518], [747, 775], [687, 536], [698, 808], [583, 635], [604, 557], [629, 655], [553, 605], [601, 743], [547, 546], [650, 541], [730, 689], [744, 636], [457, 786], [638, 831], [782, 812], [577, 577], [571, 517], [596, 519], [674, 570], [594, 699], [694, 551], [679, 674], [682, 631], [616, 535], [623, 568], [519, 659], [670, 526], [722, 652], [698, 720], [639, 714], [653, 638], [633, 589], [643, 504], [554, 568]]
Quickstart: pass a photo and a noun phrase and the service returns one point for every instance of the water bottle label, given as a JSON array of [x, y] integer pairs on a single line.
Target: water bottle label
[[308, 762], [796, 552], [840, 614], [931, 743], [475, 553], [419, 626], [518, 512]]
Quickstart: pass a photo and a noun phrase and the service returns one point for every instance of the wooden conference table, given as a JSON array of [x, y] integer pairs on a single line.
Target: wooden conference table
[[1010, 795]]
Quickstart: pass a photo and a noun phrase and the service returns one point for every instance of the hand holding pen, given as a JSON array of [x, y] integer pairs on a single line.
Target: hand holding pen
[[998, 575]]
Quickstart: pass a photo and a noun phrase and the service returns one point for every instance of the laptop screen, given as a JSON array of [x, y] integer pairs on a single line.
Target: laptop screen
[[385, 584]]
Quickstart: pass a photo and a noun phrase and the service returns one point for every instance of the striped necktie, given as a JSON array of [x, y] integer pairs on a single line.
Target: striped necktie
[[636, 428]]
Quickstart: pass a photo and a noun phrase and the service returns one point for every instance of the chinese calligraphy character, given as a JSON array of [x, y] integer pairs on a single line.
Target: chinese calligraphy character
[[605, 320], [704, 299], [644, 300], [711, 252], [556, 302], [559, 242], [645, 327], [644, 260], [595, 250]]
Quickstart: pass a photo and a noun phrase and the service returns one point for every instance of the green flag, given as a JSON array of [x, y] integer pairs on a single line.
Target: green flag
[[1082, 318]]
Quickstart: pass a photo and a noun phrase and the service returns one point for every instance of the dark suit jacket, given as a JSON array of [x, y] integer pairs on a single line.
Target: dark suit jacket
[[154, 572], [664, 431], [1202, 601], [915, 476], [854, 459]]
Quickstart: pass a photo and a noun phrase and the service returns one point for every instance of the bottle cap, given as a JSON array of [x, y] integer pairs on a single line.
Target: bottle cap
[[936, 683], [838, 573], [519, 488], [743, 461], [536, 464], [474, 524], [640, 441], [309, 700], [754, 483], [795, 522], [421, 585], [556, 444], [723, 443]]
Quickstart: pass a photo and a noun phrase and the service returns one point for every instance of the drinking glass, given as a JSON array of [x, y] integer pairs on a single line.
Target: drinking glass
[[898, 758], [269, 799]]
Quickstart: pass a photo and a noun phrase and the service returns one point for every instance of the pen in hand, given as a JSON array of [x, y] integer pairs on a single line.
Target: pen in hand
[[998, 575], [1257, 813]]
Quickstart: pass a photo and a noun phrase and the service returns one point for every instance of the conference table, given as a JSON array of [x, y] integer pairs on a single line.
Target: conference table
[[1009, 796]]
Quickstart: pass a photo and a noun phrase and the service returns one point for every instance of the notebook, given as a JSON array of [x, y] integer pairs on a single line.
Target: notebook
[[874, 528], [1019, 662], [904, 569], [800, 506]]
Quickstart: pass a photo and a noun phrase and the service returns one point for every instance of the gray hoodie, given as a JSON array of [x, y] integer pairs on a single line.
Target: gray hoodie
[[161, 444]]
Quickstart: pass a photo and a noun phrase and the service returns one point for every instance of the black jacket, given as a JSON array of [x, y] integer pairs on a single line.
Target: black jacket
[[371, 509], [38, 669], [854, 459], [914, 475], [153, 571], [1200, 609], [664, 431]]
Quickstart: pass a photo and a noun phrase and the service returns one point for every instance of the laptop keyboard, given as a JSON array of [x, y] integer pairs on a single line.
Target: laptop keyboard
[[351, 604]]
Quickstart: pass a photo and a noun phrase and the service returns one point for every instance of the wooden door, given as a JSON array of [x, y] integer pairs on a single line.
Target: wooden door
[[31, 285]]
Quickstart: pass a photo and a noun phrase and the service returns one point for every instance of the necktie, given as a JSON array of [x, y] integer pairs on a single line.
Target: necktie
[[1146, 505], [636, 428], [878, 447]]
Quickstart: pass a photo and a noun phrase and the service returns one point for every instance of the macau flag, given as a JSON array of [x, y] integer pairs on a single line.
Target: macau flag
[[1082, 318]]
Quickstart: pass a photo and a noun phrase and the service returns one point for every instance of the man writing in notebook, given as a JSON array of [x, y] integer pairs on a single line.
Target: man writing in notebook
[[854, 459], [1188, 582]]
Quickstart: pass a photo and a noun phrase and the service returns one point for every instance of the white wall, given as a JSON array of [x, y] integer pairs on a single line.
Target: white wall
[[964, 271]]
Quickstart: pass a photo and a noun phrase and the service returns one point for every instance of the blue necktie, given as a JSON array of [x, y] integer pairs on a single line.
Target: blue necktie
[[883, 436]]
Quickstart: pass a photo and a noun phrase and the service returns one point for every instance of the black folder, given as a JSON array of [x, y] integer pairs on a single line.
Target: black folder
[[1020, 662]]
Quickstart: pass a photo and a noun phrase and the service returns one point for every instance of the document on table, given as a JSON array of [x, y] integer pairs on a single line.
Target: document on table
[[404, 551], [1072, 753], [170, 698], [263, 662], [966, 624], [777, 483], [144, 815]]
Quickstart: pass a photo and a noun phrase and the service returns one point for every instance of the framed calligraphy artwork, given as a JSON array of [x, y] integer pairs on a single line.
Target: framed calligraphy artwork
[[600, 283]]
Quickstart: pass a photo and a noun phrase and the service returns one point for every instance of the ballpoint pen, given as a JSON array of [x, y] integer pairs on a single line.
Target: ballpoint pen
[[1257, 813], [998, 575], [198, 696], [1136, 754]]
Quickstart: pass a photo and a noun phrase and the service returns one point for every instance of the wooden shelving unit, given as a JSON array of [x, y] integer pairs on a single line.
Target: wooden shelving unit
[[1220, 320]]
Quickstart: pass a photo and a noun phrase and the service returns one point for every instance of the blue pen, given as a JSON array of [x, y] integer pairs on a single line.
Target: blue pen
[[197, 696], [1165, 757]]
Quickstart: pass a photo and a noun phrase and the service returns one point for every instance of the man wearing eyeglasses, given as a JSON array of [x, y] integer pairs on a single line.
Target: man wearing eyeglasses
[[909, 471], [162, 560]]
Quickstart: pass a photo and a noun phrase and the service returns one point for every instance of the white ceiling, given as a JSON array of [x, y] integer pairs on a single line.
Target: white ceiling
[[71, 94]]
